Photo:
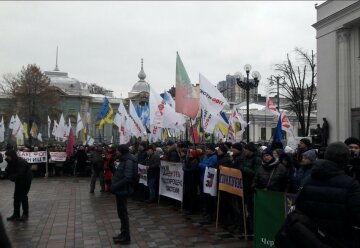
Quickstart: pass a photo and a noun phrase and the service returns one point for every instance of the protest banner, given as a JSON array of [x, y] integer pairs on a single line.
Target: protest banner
[[143, 174], [230, 180], [171, 180], [271, 209], [210, 181], [57, 156], [33, 157]]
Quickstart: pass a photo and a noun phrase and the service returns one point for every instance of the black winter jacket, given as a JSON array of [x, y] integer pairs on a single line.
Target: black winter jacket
[[271, 176], [18, 170], [332, 200], [122, 180], [153, 162], [223, 160]]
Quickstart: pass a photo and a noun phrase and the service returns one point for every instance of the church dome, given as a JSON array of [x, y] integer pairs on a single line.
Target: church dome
[[141, 85]]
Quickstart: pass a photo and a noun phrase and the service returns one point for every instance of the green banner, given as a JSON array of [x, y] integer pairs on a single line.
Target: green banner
[[269, 217]]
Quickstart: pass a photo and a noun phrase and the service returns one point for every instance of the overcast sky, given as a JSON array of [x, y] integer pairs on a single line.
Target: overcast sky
[[103, 42]]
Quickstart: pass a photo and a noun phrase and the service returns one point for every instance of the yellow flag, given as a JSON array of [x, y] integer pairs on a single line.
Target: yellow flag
[[25, 126]]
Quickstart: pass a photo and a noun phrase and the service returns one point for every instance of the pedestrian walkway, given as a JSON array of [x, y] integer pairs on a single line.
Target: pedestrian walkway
[[64, 214]]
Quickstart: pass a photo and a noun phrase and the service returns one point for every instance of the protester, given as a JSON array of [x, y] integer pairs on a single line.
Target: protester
[[210, 160], [19, 171], [271, 175], [122, 186], [172, 154], [306, 165], [331, 199], [353, 168], [304, 145], [81, 159], [97, 170], [153, 172], [237, 155], [109, 166], [223, 156], [192, 158]]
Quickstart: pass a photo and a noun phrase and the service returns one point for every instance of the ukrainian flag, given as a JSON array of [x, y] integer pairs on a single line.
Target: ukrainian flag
[[106, 113]]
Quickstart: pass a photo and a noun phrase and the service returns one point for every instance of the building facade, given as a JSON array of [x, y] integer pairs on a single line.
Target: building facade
[[338, 59]]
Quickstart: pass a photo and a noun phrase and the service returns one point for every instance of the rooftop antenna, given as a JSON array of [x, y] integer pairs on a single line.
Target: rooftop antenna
[[56, 65]]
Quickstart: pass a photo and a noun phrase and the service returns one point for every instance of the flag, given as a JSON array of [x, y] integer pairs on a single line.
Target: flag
[[12, 120], [68, 128], [105, 114], [123, 122], [25, 128], [79, 125], [209, 121], [285, 124], [278, 133], [271, 107], [90, 141], [61, 129], [168, 99], [210, 97], [223, 123], [186, 98], [34, 130], [139, 127], [49, 125], [39, 137], [2, 130], [195, 133], [54, 128], [157, 106], [70, 144]]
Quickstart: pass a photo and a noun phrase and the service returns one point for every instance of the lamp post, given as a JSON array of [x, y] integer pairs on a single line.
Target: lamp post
[[247, 84], [277, 78]]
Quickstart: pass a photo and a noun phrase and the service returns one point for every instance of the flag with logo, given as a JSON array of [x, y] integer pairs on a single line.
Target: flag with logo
[[210, 97], [270, 106], [285, 124], [106, 113], [138, 129], [186, 97]]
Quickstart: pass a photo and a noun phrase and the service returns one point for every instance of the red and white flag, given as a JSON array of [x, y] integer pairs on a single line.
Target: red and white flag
[[271, 107], [285, 124]]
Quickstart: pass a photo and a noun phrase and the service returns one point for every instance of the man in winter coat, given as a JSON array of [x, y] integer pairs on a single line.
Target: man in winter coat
[[172, 154], [353, 168], [122, 186], [153, 172], [97, 169], [19, 171], [306, 165], [332, 199]]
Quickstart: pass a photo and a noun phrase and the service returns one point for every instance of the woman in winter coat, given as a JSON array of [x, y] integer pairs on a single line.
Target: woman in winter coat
[[271, 175]]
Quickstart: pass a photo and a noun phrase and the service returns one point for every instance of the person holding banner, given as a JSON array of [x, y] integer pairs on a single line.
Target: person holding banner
[[153, 172], [210, 160], [19, 171]]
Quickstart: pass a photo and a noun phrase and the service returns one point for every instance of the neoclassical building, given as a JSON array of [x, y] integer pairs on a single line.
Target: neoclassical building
[[338, 59]]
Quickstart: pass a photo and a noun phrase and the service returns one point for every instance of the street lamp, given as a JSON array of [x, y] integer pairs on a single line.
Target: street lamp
[[277, 78], [247, 84]]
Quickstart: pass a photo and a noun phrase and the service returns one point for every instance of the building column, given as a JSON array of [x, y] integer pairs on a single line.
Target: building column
[[343, 85]]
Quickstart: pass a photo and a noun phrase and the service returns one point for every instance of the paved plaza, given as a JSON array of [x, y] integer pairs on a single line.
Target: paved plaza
[[64, 214]]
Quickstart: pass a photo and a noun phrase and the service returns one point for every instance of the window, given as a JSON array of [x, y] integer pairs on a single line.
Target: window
[[263, 133]]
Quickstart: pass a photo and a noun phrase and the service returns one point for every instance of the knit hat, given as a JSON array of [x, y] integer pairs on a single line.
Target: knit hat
[[210, 146], [123, 148], [310, 154], [268, 151], [237, 146], [352, 140], [306, 141], [338, 152], [223, 148], [251, 147]]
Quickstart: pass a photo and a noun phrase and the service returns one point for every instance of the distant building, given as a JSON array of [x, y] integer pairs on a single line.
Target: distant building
[[338, 78], [233, 93]]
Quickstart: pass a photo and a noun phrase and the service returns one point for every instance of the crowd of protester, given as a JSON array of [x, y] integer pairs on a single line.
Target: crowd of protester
[[263, 166]]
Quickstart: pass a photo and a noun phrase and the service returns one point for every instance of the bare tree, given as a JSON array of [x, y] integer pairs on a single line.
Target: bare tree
[[31, 95], [299, 86]]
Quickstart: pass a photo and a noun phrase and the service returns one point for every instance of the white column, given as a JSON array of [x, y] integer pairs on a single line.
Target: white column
[[343, 85]]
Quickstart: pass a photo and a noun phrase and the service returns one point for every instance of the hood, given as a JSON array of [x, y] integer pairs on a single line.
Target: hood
[[271, 164], [325, 169]]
